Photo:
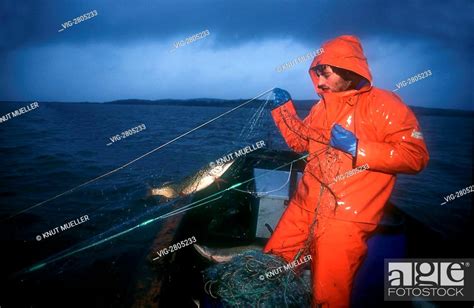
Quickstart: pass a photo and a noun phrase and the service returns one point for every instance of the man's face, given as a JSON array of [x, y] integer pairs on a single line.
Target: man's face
[[329, 81]]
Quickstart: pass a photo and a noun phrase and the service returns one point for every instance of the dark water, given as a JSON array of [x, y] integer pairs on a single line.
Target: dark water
[[58, 146]]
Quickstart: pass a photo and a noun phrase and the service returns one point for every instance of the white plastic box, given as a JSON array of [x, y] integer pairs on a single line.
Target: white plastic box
[[273, 190]]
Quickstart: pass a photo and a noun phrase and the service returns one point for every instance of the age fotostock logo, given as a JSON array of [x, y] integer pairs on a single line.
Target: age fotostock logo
[[433, 279]]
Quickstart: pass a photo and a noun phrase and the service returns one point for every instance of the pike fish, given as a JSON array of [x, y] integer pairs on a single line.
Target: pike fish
[[218, 255], [197, 182]]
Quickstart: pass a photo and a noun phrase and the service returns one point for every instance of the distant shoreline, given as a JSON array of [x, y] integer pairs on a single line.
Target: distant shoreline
[[213, 102]]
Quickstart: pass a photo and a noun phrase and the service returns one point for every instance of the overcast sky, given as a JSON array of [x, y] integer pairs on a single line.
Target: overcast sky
[[125, 51]]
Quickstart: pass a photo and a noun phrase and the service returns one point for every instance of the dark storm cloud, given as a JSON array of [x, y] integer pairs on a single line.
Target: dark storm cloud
[[235, 22], [124, 51]]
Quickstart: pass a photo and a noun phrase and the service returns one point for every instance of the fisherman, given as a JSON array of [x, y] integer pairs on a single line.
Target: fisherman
[[354, 124]]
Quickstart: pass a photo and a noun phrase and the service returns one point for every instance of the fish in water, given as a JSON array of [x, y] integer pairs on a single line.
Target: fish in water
[[199, 181], [218, 255]]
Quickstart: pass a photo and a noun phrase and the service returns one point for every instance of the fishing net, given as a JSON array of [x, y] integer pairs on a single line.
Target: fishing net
[[327, 165], [119, 201], [244, 282], [120, 207]]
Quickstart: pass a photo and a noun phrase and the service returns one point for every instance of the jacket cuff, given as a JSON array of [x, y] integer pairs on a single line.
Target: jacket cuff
[[361, 157], [354, 158], [288, 106]]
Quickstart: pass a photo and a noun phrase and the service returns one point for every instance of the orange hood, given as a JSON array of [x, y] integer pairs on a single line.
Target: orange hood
[[344, 52]]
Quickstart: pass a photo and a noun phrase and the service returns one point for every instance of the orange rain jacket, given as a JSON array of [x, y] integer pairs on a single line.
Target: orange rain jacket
[[389, 142], [335, 207]]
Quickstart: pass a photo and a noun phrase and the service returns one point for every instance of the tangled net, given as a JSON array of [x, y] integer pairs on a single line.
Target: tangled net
[[239, 283]]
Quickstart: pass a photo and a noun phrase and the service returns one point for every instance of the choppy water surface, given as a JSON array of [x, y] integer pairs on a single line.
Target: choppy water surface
[[57, 146]]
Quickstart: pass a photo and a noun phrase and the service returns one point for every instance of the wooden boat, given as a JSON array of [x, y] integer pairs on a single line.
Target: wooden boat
[[246, 215]]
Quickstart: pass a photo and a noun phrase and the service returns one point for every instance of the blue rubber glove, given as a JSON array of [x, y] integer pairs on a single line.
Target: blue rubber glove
[[281, 97], [343, 140]]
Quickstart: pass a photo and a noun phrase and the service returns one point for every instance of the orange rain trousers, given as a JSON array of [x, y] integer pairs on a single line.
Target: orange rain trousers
[[337, 248]]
